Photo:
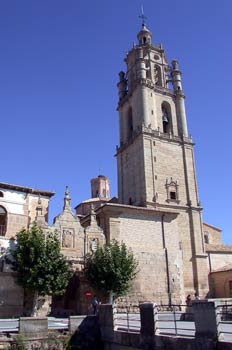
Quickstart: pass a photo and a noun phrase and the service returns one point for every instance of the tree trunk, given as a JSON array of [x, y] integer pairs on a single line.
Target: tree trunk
[[35, 304], [111, 297]]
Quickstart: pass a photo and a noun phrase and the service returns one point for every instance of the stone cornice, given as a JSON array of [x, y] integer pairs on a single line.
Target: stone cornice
[[119, 208], [156, 134], [149, 84], [178, 207]]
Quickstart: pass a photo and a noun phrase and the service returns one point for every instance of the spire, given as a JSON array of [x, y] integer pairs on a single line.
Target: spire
[[143, 17], [67, 199], [144, 36]]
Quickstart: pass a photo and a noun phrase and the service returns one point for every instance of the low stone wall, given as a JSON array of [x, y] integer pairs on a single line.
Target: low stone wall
[[33, 326]]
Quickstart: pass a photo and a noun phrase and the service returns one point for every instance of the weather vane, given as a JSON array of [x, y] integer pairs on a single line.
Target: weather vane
[[142, 16]]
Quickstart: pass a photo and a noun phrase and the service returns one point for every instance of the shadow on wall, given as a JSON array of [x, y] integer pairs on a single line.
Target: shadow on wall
[[87, 336]]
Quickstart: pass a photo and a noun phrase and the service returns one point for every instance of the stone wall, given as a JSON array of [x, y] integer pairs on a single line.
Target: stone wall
[[141, 230], [11, 295]]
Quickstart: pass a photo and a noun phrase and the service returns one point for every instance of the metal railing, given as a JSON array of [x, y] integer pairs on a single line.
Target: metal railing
[[224, 320], [174, 320], [127, 318], [58, 323], [9, 325], [169, 320]]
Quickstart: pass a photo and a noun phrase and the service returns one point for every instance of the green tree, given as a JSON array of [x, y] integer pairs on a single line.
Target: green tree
[[42, 268], [111, 269]]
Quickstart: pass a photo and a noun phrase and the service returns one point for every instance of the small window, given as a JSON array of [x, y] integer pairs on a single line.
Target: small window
[[96, 193], [3, 221], [1, 194], [172, 195], [206, 239], [172, 188]]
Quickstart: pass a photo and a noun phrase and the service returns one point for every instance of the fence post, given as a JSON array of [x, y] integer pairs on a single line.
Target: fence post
[[206, 324], [147, 325], [106, 321]]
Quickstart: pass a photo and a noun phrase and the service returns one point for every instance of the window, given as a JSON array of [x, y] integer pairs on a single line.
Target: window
[[172, 195], [172, 188], [166, 118], [1, 194], [148, 70], [3, 221], [206, 238], [157, 75]]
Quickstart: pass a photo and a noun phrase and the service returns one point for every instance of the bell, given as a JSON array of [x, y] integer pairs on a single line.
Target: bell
[[165, 118]]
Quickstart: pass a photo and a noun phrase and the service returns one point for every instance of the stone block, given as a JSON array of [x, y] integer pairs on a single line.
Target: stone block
[[33, 327]]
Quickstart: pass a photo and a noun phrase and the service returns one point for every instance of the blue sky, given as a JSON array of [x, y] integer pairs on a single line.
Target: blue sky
[[59, 64]]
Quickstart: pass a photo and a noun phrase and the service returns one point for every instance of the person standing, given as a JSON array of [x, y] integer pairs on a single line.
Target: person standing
[[188, 300], [95, 305]]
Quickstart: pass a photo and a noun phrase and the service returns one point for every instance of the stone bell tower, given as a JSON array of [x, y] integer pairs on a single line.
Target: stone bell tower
[[155, 156]]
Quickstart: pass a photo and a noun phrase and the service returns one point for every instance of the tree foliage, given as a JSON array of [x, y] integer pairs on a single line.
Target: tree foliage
[[111, 268], [38, 260]]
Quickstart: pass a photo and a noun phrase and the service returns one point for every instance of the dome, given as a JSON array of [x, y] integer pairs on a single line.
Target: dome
[[144, 36]]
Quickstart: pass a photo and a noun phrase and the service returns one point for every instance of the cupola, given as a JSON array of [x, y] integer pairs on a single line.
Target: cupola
[[144, 36]]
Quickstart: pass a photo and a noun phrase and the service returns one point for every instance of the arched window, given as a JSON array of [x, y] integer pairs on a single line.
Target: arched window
[[148, 71], [3, 221], [206, 237], [1, 194], [157, 75], [166, 118]]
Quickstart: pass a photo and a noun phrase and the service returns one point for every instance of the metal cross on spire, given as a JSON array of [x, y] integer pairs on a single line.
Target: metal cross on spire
[[142, 16]]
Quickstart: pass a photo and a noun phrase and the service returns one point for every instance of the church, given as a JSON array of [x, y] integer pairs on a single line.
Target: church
[[157, 212]]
